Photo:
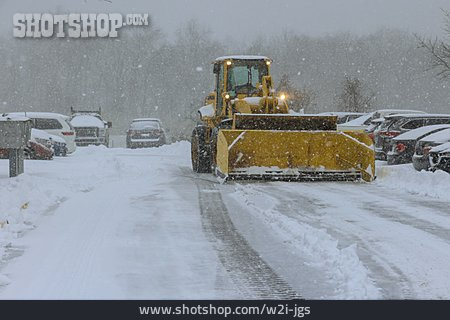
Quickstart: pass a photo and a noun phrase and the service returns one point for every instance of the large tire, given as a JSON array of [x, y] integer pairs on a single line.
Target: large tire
[[200, 151]]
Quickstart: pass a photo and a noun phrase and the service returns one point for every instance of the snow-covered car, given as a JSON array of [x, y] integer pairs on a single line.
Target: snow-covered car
[[364, 122], [402, 146], [52, 123], [51, 141], [90, 128], [440, 157], [145, 132], [343, 117], [420, 158], [396, 124], [41, 146]]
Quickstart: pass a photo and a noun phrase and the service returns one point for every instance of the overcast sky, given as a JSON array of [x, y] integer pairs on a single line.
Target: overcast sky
[[244, 19]]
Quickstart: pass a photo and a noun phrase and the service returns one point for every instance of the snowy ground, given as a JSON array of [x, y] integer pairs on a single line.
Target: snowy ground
[[118, 223]]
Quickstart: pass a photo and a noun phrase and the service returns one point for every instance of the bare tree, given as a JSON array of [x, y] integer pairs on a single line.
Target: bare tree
[[355, 97], [298, 99], [439, 50]]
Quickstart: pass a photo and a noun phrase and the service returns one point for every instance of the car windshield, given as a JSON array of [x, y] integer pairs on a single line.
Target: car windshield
[[142, 125], [243, 77], [386, 124]]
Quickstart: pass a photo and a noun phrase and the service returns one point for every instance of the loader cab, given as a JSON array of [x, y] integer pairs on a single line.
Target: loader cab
[[238, 76]]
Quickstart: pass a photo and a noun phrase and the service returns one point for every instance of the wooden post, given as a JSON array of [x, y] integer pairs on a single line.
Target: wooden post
[[16, 163]]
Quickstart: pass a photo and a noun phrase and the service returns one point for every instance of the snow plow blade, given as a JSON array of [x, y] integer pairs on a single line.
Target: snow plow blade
[[323, 155]]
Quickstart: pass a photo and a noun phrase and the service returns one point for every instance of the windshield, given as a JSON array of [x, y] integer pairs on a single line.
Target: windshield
[[243, 77], [141, 125]]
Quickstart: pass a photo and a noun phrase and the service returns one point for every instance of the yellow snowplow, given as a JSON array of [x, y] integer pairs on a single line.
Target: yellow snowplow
[[247, 132]]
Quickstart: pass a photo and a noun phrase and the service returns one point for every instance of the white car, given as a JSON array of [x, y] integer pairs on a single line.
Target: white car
[[53, 123], [343, 117]]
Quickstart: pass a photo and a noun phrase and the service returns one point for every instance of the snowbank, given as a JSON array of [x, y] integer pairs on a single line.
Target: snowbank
[[46, 185], [406, 178]]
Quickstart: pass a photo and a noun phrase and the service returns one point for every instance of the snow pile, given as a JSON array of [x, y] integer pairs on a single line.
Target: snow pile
[[406, 178], [342, 266], [23, 200]]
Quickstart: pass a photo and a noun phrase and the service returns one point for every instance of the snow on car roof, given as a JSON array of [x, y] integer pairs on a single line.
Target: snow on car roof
[[241, 57], [445, 147], [340, 113], [417, 115], [41, 134], [43, 115], [13, 117], [383, 111], [439, 137], [416, 133], [87, 120], [146, 119], [358, 121]]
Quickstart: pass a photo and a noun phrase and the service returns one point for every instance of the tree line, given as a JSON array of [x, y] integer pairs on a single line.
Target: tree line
[[143, 73]]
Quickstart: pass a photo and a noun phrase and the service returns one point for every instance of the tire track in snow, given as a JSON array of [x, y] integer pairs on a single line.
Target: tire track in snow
[[251, 274], [395, 214], [306, 209]]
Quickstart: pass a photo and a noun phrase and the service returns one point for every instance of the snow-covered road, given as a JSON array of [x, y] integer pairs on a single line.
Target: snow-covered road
[[118, 223]]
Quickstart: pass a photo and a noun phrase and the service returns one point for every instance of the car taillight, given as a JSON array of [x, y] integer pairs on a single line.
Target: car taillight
[[388, 134], [400, 147], [67, 133]]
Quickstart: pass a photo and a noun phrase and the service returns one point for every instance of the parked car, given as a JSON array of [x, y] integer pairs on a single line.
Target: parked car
[[402, 147], [396, 124], [90, 128], [41, 146], [440, 157], [420, 158], [52, 123], [145, 132], [54, 142], [343, 117], [364, 122]]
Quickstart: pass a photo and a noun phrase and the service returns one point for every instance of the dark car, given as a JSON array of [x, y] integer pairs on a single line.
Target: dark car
[[440, 157], [396, 124], [420, 158], [403, 146], [145, 132]]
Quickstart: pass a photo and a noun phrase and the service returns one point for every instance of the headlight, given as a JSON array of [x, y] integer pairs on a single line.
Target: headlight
[[282, 97]]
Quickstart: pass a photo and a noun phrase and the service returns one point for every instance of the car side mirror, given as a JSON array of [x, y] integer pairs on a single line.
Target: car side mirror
[[109, 123]]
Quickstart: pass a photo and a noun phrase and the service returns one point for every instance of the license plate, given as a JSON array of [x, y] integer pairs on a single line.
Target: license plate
[[145, 135]]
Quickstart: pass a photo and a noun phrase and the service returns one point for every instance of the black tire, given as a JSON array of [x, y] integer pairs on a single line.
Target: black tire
[[200, 151]]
